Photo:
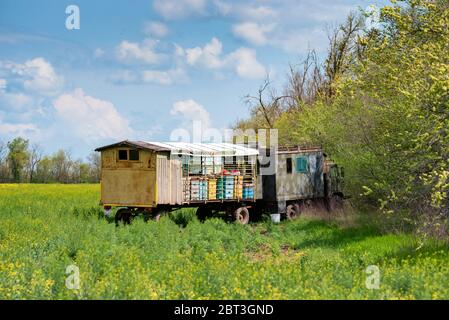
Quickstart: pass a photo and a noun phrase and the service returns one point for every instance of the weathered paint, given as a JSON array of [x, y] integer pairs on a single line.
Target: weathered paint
[[128, 183], [169, 180], [300, 185]]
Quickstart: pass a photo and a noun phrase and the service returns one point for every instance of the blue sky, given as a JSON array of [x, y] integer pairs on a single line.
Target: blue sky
[[140, 69]]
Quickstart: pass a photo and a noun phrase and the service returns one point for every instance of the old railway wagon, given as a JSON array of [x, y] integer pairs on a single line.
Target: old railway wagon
[[153, 178]]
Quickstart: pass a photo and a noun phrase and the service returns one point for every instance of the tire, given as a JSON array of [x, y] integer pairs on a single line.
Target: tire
[[203, 213], [123, 216], [293, 211], [241, 215]]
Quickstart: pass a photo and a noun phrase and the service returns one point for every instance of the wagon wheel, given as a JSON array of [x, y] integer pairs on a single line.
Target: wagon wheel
[[123, 216], [241, 215], [293, 211], [203, 213]]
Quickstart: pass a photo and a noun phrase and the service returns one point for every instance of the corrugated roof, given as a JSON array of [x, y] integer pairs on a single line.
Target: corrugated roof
[[195, 149], [217, 149]]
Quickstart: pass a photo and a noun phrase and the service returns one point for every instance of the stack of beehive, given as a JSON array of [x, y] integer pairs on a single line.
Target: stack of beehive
[[212, 189], [225, 187], [198, 189], [238, 187], [186, 189], [248, 191]]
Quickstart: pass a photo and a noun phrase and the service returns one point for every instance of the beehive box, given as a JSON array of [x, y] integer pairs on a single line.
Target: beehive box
[[198, 189], [248, 191], [212, 189], [238, 187], [225, 187]]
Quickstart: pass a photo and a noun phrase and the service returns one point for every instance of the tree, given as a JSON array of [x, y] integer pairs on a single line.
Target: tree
[[35, 156], [266, 107], [343, 51], [308, 82], [44, 170], [94, 167], [61, 166], [388, 122], [17, 157], [4, 174]]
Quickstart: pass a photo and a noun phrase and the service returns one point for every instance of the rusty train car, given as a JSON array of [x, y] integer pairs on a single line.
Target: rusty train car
[[153, 178]]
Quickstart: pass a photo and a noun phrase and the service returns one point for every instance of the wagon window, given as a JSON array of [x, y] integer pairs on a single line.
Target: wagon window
[[301, 164], [134, 155], [123, 154], [289, 165]]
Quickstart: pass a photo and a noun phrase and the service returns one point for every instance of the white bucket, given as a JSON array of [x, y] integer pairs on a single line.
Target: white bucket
[[276, 217], [107, 212]]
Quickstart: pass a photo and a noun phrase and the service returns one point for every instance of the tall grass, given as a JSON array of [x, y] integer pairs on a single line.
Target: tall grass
[[45, 228]]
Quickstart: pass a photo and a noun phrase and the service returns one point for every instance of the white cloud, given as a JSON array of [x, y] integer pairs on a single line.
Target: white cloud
[[125, 77], [223, 8], [155, 29], [3, 84], [190, 110], [98, 53], [309, 38], [243, 60], [144, 52], [43, 78], [176, 9], [36, 75], [91, 118], [17, 100], [162, 77], [246, 64], [252, 32], [208, 56], [19, 129], [290, 25], [245, 10], [256, 12]]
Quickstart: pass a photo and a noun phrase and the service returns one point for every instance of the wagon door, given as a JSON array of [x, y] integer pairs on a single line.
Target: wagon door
[[169, 180]]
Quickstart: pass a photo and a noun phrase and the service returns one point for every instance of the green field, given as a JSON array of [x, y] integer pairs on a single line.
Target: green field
[[45, 228]]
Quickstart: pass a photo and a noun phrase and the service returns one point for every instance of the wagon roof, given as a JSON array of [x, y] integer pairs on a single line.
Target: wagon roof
[[213, 149], [133, 144]]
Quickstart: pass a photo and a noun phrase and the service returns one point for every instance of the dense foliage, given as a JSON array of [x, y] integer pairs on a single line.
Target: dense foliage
[[387, 119], [46, 228], [22, 162]]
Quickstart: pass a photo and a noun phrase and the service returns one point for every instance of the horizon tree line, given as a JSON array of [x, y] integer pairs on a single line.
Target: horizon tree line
[[25, 162]]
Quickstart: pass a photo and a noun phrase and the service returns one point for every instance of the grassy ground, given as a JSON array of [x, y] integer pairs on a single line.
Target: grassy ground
[[45, 228]]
